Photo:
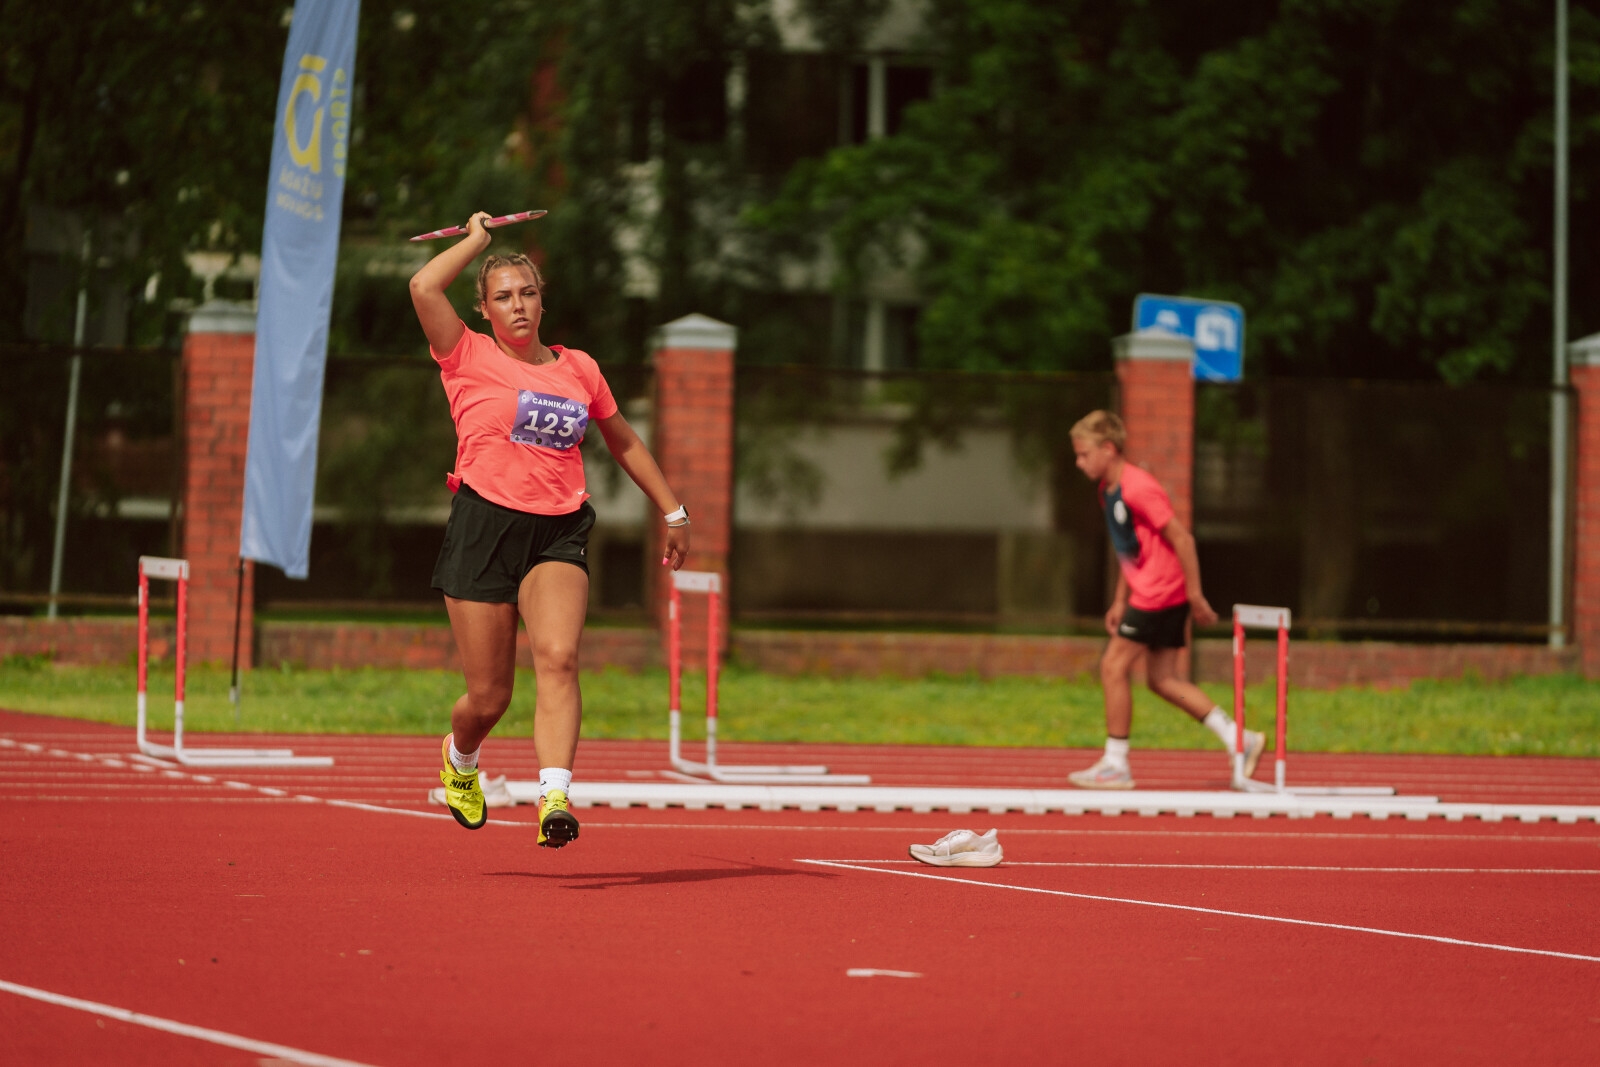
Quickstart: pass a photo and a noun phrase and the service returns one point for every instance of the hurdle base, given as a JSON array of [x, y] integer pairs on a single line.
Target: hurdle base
[[1250, 785], [229, 757], [748, 773], [756, 774], [179, 753]]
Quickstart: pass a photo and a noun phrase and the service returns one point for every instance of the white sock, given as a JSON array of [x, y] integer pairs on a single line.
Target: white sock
[[555, 778], [463, 761], [1219, 723], [1117, 751]]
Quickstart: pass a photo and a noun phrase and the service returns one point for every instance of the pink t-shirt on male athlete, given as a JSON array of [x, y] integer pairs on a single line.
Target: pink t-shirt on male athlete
[[1137, 509], [518, 424]]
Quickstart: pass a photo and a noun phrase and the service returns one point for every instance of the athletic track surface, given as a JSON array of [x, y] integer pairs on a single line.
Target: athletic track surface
[[329, 916]]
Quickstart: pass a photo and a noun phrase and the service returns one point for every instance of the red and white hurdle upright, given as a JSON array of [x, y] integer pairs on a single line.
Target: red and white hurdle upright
[[177, 570], [710, 583], [1252, 616]]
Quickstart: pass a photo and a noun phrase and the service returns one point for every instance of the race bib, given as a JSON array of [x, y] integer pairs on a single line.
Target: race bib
[[547, 421]]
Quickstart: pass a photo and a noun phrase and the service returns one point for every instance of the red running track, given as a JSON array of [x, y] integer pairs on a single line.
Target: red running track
[[375, 930]]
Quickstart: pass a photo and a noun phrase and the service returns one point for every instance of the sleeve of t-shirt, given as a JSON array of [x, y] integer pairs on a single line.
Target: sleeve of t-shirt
[[602, 405], [1147, 499], [452, 360]]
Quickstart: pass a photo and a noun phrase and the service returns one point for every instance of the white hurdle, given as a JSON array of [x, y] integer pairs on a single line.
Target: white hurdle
[[710, 583], [1253, 616], [177, 570]]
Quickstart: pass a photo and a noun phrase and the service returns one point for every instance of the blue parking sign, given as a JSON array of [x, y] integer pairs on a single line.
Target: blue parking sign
[[1215, 326]]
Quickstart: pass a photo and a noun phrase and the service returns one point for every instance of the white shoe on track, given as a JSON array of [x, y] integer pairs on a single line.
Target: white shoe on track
[[495, 793], [961, 848], [1255, 743], [1103, 775]]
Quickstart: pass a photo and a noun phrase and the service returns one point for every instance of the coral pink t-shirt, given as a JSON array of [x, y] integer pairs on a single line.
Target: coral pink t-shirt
[[518, 425], [1137, 509]]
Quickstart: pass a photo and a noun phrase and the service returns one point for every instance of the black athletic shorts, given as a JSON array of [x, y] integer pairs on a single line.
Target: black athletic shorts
[[1156, 629], [488, 549]]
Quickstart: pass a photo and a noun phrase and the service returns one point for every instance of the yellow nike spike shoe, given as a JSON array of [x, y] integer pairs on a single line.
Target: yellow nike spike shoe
[[557, 824], [462, 794]]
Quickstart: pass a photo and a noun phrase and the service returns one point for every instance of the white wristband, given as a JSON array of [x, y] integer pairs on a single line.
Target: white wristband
[[681, 515]]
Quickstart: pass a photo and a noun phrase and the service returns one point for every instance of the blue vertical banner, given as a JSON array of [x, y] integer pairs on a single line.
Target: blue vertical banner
[[299, 249]]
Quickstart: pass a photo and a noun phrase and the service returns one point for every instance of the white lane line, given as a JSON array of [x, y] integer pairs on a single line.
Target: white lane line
[[267, 792], [1354, 835], [878, 972], [1258, 835], [358, 806], [1273, 867], [199, 1033], [41, 797], [1211, 911]]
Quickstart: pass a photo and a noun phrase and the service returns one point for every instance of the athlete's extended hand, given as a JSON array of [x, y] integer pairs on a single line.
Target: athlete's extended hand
[[1201, 611], [476, 228], [1114, 616], [677, 550]]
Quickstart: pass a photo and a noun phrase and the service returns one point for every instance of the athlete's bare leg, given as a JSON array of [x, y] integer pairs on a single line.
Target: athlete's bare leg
[[1116, 681], [486, 637], [554, 600], [1164, 673]]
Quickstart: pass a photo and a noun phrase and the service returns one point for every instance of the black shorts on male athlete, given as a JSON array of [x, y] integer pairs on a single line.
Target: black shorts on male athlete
[[1166, 628]]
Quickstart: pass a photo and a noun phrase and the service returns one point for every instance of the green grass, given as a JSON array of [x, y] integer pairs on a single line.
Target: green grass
[[1556, 716]]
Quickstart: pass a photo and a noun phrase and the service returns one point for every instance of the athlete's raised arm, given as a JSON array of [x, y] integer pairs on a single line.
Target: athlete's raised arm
[[434, 310]]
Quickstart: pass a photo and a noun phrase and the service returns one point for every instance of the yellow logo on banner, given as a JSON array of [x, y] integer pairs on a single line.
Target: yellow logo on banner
[[310, 153]]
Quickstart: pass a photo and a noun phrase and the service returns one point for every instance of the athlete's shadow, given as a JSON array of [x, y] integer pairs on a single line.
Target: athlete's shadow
[[627, 879]]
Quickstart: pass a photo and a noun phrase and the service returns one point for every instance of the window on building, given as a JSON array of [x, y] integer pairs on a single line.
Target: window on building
[[695, 109], [791, 109], [903, 85], [877, 335]]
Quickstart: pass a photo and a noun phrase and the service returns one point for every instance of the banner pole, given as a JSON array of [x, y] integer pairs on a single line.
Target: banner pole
[[238, 613]]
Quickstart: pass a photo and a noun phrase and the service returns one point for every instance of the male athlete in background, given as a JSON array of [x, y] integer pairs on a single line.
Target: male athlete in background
[[1158, 589]]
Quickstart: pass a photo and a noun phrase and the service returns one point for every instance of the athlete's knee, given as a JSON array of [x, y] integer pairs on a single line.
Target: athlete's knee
[[489, 699], [555, 657]]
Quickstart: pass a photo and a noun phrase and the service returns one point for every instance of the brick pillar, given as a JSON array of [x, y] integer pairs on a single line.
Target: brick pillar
[[1155, 370], [1584, 369], [218, 357], [693, 443]]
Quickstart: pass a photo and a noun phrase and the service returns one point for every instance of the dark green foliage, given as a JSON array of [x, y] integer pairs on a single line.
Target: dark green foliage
[[1370, 178], [152, 116]]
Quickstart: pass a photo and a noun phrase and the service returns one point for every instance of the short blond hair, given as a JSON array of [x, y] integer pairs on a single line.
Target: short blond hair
[[1101, 426], [494, 263]]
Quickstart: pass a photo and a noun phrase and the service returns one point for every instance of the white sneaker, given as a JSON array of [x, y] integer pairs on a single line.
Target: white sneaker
[[495, 793], [1255, 744], [1103, 775], [961, 848]]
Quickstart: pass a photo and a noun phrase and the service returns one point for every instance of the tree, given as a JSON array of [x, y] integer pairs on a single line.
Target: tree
[[152, 117], [1370, 178]]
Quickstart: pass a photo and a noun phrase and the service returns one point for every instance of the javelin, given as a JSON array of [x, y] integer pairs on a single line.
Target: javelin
[[503, 220]]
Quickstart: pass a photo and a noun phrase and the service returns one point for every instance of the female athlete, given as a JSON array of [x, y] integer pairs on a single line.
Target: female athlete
[[517, 539]]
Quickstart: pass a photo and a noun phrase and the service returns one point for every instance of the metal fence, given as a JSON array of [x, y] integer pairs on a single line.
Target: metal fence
[[881, 500], [1378, 507], [914, 498], [125, 470]]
